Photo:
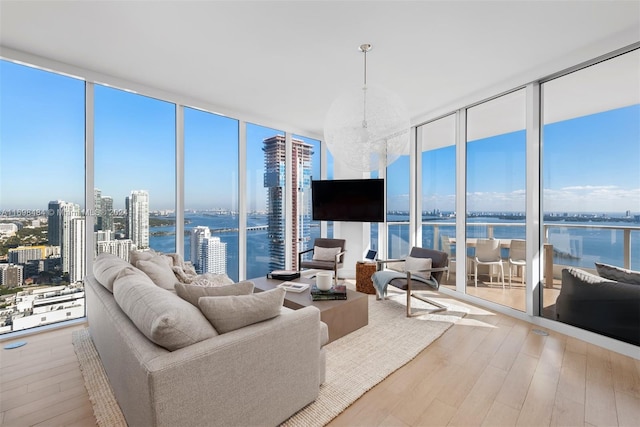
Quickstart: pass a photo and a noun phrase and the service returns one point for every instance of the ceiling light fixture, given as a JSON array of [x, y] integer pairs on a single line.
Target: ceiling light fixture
[[367, 129]]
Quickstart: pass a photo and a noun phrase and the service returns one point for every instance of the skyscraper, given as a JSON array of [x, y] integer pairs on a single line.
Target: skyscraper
[[138, 218], [106, 217], [54, 234], [214, 256], [198, 234], [76, 251], [97, 201], [58, 227], [275, 182], [119, 248]]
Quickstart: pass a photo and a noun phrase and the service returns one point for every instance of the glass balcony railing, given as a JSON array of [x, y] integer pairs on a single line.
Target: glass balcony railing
[[575, 245]]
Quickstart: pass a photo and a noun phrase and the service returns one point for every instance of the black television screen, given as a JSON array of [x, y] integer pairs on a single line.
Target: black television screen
[[357, 200]]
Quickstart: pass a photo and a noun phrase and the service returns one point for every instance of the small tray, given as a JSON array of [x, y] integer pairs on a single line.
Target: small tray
[[293, 286]]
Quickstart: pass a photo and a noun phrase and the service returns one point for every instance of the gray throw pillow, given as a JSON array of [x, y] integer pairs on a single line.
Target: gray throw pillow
[[106, 268], [192, 293], [136, 255], [618, 274], [234, 312], [325, 254], [159, 271], [160, 315]]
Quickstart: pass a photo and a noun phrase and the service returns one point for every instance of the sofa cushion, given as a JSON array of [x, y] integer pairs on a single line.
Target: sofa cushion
[[234, 312], [161, 316], [618, 274], [325, 254], [136, 255], [416, 264], [192, 293], [106, 268], [159, 271]]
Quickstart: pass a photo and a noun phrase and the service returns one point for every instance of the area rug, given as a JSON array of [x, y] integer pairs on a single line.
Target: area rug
[[355, 362]]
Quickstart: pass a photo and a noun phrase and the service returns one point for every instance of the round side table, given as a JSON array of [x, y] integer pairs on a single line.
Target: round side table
[[364, 271]]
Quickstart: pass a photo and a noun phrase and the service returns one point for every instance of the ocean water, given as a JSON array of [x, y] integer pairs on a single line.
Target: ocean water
[[579, 247], [573, 246], [257, 240]]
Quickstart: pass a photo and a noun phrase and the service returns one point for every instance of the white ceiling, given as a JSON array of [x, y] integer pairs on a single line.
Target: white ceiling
[[283, 63]]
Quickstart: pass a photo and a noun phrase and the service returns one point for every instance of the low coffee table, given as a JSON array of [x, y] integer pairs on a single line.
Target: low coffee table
[[341, 316]]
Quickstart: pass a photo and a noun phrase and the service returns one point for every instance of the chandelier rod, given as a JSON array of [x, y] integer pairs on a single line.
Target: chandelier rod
[[364, 48]]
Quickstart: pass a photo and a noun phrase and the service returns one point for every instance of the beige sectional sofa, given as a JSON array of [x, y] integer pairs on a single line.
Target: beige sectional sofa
[[168, 365]]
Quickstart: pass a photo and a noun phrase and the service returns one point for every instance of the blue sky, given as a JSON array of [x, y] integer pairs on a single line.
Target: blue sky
[[590, 163]]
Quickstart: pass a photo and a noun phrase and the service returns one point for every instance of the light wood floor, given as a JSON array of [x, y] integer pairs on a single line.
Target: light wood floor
[[41, 383], [489, 369]]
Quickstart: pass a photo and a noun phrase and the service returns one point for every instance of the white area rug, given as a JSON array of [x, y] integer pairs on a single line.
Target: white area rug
[[362, 359], [355, 363]]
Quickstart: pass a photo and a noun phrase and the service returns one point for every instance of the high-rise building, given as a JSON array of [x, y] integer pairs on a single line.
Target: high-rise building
[[58, 227], [97, 204], [11, 275], [119, 248], [77, 268], [275, 181], [214, 256], [106, 218], [198, 234], [23, 254], [70, 211], [54, 230], [138, 218]]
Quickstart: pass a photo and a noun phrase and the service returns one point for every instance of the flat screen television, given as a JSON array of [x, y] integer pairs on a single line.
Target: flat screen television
[[356, 200]]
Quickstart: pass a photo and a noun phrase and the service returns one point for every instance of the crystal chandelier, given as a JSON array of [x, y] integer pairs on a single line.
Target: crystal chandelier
[[367, 129]]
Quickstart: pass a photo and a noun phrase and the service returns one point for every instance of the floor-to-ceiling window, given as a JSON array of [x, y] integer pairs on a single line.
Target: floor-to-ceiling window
[[496, 190], [437, 202], [591, 178], [211, 192], [42, 192], [134, 149], [398, 207], [305, 164]]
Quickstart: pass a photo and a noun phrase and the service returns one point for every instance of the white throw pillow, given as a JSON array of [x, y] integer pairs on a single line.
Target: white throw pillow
[[159, 271], [415, 264], [234, 312], [325, 254], [193, 293], [212, 279]]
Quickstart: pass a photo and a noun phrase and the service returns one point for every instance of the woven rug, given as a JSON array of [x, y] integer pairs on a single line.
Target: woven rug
[[355, 362]]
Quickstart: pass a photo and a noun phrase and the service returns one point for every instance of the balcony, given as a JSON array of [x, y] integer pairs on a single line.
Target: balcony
[[566, 245]]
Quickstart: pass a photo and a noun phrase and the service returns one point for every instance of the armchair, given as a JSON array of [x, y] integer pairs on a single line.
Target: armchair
[[422, 268], [328, 254]]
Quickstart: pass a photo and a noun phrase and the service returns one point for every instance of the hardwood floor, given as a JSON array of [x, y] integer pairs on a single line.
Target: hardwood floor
[[489, 369], [41, 383], [493, 370]]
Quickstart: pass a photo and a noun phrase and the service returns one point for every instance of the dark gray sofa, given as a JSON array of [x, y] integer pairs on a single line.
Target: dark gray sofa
[[598, 304]]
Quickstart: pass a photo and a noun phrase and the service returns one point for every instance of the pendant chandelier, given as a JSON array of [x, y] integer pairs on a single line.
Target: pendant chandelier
[[367, 129]]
